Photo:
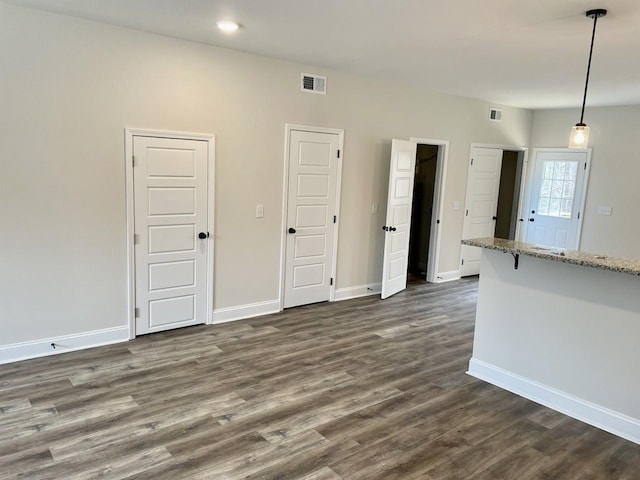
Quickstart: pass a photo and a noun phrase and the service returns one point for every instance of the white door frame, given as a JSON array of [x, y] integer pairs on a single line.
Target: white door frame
[[433, 258], [523, 183], [285, 204], [130, 215], [529, 187]]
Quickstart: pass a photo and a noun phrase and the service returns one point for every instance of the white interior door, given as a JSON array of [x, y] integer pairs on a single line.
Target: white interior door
[[398, 223], [483, 186], [170, 196], [557, 196], [311, 217]]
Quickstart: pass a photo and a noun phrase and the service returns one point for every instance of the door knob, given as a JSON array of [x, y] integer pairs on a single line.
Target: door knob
[[532, 219], [385, 228], [292, 230], [203, 235], [495, 218], [392, 229]]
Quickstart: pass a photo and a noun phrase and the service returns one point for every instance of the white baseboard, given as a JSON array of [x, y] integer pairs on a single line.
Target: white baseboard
[[66, 343], [359, 291], [583, 410], [229, 314], [447, 276]]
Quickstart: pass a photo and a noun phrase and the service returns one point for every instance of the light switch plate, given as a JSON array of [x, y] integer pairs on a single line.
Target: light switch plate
[[374, 208], [456, 205], [605, 210], [259, 211]]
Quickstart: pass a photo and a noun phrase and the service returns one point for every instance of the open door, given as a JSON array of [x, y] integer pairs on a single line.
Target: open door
[[398, 222], [483, 185]]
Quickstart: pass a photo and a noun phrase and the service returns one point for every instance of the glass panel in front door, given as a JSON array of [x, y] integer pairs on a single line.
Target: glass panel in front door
[[557, 188]]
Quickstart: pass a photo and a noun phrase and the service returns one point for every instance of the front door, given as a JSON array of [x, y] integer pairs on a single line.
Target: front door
[[483, 186], [311, 216], [171, 234], [557, 192], [398, 223]]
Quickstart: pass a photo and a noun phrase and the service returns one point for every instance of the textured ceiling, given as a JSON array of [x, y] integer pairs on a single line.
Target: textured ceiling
[[523, 53]]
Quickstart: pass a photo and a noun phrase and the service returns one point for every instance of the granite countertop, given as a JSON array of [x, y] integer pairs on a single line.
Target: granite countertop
[[603, 262]]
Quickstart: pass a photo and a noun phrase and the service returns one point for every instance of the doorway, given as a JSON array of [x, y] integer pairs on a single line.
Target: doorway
[[399, 226], [494, 199], [424, 187]]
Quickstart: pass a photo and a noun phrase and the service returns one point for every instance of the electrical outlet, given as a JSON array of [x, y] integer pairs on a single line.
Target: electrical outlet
[[259, 211], [374, 208], [456, 205]]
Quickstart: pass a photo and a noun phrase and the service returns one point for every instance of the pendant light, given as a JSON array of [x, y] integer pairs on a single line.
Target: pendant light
[[580, 132]]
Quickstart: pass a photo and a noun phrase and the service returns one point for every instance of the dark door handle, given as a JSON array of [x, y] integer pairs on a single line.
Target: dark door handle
[[392, 229], [203, 235], [521, 219], [532, 219], [385, 228], [292, 230], [495, 218]]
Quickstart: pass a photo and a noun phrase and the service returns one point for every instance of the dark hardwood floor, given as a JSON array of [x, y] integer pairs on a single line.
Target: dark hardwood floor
[[361, 389]]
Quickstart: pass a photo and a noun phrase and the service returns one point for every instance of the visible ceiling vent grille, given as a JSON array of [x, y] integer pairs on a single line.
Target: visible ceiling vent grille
[[495, 115], [314, 83]]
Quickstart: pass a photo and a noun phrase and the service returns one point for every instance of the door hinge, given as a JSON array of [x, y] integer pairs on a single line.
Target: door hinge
[[136, 312], [585, 165], [331, 282], [466, 214], [136, 238], [472, 161], [578, 215], [463, 261], [338, 153], [133, 160], [335, 218]]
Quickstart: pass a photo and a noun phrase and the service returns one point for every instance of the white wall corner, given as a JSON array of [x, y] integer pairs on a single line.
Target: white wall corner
[[447, 276], [240, 312], [358, 291], [66, 343], [578, 408]]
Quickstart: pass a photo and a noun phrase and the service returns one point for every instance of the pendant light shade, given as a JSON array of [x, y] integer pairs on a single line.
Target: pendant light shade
[[579, 137]]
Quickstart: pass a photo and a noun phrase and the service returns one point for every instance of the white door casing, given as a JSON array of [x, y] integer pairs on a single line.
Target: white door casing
[[481, 206], [558, 190], [398, 222], [311, 216], [170, 183]]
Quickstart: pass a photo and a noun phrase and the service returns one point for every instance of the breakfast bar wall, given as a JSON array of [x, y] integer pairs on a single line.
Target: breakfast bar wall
[[562, 334]]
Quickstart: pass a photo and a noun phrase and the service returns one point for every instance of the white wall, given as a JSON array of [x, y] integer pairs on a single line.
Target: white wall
[[615, 171], [70, 87]]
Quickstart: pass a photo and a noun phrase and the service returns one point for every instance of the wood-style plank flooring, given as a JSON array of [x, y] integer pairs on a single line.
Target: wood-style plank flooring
[[360, 389]]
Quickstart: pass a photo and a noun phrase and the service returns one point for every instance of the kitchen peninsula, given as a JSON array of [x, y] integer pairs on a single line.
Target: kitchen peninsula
[[561, 328]]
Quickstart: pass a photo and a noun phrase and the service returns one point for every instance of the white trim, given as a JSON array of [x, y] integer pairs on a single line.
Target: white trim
[[230, 314], [130, 215], [63, 344], [447, 276], [578, 408], [359, 291], [433, 255], [285, 203]]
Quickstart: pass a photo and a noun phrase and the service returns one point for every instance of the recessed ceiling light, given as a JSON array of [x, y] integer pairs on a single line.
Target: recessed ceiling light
[[227, 25]]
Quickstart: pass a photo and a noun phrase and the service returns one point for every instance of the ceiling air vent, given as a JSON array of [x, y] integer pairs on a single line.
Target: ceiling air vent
[[495, 115], [314, 83]]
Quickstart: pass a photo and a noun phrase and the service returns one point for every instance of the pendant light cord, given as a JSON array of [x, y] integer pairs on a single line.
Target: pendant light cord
[[586, 83]]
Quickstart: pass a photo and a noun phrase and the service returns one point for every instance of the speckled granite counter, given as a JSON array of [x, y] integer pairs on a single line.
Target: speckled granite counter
[[603, 262]]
